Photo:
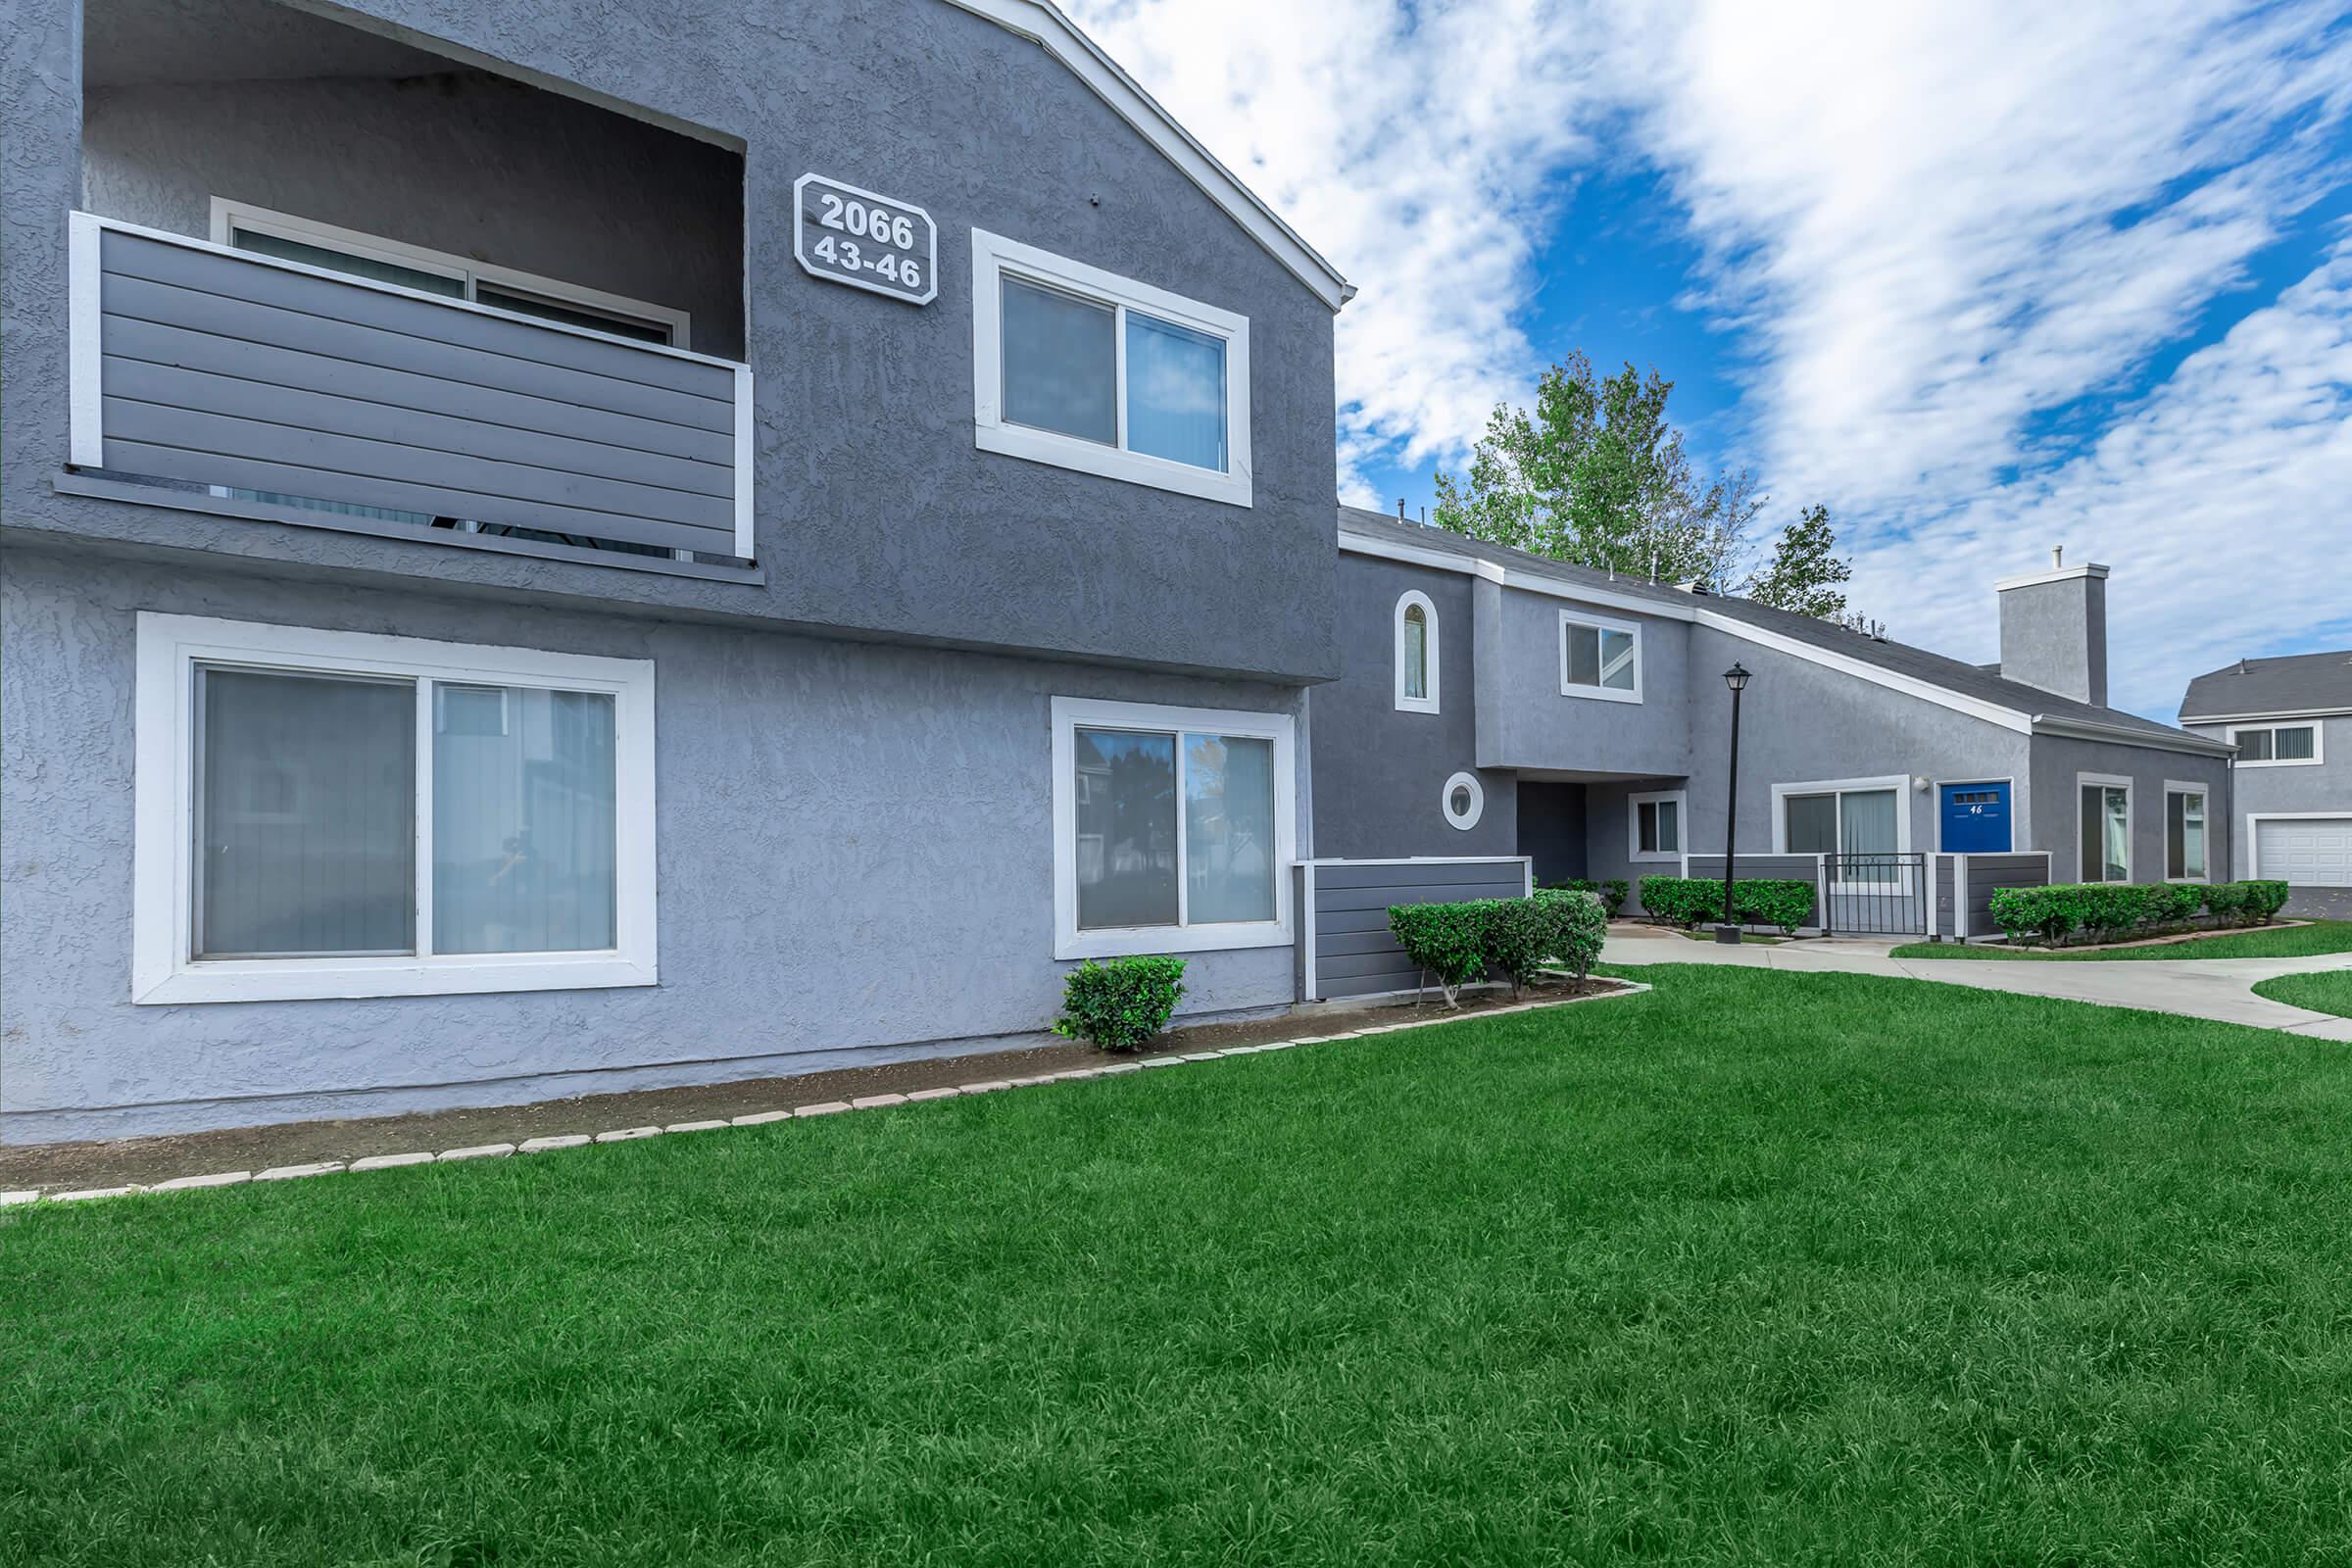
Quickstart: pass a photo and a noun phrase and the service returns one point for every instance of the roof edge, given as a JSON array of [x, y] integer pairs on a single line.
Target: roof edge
[[2156, 739], [2332, 710], [1042, 22]]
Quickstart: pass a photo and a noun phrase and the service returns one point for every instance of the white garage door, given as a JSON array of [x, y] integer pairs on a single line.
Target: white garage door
[[2314, 851]]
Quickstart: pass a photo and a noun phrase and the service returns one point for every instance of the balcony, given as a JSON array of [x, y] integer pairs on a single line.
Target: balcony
[[342, 275], [290, 392]]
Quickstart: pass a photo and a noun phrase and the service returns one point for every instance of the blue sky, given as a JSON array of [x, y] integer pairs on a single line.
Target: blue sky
[[1984, 278]]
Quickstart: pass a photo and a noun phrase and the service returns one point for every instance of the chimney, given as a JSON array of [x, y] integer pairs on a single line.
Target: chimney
[[2054, 630]]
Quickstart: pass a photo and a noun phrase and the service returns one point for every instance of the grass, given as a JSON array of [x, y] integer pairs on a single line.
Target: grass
[[1759, 1268], [2269, 942], [2330, 991]]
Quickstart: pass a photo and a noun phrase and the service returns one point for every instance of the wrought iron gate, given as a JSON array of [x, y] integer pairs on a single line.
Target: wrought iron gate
[[1874, 894]]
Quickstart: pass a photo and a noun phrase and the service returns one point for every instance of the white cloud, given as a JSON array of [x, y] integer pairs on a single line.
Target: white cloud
[[1416, 153], [1926, 228]]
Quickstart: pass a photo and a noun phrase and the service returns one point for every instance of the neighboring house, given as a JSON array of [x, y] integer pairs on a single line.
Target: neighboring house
[[1493, 702], [404, 404], [2290, 719]]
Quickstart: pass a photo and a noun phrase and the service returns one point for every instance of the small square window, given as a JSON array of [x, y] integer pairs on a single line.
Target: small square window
[[1600, 659]]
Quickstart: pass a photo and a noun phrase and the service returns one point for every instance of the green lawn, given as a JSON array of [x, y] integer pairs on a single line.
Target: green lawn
[[1760, 1268], [2329, 991], [2273, 941]]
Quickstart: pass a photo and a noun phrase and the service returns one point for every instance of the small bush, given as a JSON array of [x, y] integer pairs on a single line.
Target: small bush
[[1514, 937], [2244, 902], [1446, 940], [1119, 1006], [1575, 924], [1690, 901], [1611, 893], [1774, 901]]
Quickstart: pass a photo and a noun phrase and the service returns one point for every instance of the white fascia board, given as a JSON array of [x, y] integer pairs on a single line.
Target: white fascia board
[[2057, 575], [2258, 719], [2009, 718], [2089, 730], [1043, 23], [1494, 572]]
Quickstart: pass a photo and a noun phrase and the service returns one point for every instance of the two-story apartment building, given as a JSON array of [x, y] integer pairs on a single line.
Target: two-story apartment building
[[1495, 703], [2290, 719], [558, 547]]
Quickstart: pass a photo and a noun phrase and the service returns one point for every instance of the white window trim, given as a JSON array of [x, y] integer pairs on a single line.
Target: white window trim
[[2318, 744], [993, 257], [1936, 789], [2204, 793], [1607, 693], [1414, 598], [1072, 713], [163, 832], [1633, 824], [229, 217], [2130, 824], [1900, 783], [1466, 820]]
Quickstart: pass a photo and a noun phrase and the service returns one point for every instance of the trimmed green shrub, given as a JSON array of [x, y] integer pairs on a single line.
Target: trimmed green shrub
[[1514, 936], [1576, 923], [1446, 940], [1121, 1005], [1690, 901], [2121, 911], [1611, 892], [2244, 902], [1782, 902]]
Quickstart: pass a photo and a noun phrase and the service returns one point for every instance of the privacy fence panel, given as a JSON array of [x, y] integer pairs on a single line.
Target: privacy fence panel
[[1346, 947]]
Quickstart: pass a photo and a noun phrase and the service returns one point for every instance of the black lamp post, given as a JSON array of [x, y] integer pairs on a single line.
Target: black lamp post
[[1736, 678]]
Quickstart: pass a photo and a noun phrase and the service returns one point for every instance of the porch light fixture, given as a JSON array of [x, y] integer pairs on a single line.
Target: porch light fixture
[[1736, 678]]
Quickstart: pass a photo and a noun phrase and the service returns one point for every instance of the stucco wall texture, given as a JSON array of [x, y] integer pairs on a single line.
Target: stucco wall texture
[[2058, 761], [874, 510], [854, 845]]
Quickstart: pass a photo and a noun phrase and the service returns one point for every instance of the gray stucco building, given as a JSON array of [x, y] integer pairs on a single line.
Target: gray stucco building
[[2291, 721], [1590, 714], [491, 615]]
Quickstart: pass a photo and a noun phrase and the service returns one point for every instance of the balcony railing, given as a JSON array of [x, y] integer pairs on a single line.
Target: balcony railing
[[248, 376]]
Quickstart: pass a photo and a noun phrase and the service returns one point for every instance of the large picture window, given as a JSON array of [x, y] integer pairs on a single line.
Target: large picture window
[[345, 814], [1173, 828], [1085, 369], [2105, 826], [1861, 821]]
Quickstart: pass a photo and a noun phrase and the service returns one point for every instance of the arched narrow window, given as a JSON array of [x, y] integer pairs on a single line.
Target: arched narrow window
[[1416, 654]]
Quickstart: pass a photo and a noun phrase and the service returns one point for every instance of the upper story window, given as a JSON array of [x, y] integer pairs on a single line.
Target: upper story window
[[1416, 654], [1599, 658], [1083, 370], [329, 813], [2277, 744]]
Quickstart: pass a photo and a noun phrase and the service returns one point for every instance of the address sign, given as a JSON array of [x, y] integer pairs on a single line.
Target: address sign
[[848, 235]]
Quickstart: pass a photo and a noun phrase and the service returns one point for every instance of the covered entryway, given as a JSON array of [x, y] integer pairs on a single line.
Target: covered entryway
[[2305, 851]]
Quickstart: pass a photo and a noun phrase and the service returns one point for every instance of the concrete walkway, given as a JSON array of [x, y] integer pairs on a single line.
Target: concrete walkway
[[2196, 988]]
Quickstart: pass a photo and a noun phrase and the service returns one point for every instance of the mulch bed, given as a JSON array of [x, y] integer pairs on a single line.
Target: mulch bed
[[144, 1160]]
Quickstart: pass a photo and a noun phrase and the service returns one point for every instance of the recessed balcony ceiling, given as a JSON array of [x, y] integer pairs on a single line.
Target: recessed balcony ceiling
[[138, 42]]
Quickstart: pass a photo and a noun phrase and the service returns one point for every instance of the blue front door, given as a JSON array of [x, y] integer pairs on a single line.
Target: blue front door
[[1975, 819]]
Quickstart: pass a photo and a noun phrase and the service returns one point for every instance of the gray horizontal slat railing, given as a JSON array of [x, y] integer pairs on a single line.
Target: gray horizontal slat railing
[[1349, 951], [213, 367]]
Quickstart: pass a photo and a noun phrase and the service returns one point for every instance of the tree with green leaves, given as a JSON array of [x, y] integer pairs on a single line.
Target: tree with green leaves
[[1804, 570], [1597, 475]]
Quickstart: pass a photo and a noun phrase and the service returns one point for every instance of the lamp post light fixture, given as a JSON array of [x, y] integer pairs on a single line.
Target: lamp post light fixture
[[1736, 678]]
